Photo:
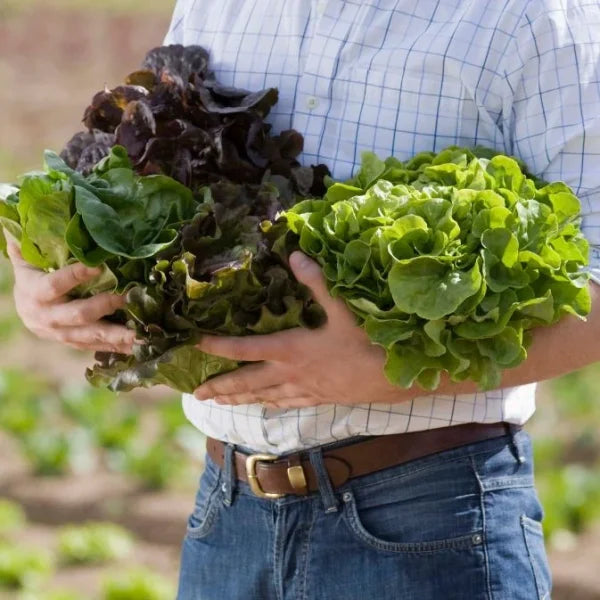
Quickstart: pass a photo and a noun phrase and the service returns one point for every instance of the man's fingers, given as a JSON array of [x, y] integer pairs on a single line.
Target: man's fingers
[[308, 272], [280, 346], [83, 312], [16, 258], [106, 337], [244, 380], [55, 285]]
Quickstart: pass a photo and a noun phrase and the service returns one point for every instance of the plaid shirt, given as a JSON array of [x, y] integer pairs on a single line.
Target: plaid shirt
[[399, 77]]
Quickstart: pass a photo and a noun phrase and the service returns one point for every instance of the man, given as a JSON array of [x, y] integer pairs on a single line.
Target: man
[[377, 491]]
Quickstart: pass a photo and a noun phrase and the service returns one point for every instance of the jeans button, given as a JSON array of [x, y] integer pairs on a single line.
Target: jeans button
[[347, 497], [477, 539]]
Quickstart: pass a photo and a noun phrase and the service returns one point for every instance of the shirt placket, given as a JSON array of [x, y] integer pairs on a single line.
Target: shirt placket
[[333, 20]]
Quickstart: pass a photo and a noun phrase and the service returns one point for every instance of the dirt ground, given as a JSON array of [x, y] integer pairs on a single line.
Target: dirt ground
[[52, 61]]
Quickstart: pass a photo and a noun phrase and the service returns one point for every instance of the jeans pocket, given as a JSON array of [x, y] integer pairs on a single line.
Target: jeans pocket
[[534, 541], [202, 519], [383, 514]]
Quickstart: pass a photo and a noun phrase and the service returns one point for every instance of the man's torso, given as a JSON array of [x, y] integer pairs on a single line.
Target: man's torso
[[394, 77]]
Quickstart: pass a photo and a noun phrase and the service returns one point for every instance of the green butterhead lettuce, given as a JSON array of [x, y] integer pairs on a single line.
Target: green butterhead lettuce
[[449, 260]]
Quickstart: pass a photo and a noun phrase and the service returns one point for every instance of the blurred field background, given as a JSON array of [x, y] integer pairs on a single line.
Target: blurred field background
[[70, 454]]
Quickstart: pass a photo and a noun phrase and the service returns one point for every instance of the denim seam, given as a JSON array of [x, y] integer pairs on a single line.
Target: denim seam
[[303, 587], [277, 554], [508, 482], [488, 580], [526, 526], [207, 522]]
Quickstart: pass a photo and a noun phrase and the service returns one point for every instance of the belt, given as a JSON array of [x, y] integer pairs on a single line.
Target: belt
[[272, 476]]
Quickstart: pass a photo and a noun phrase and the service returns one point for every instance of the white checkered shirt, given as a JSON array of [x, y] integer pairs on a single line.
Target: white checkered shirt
[[399, 77]]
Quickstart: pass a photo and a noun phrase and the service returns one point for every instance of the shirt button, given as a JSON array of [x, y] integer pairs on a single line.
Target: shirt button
[[312, 102]]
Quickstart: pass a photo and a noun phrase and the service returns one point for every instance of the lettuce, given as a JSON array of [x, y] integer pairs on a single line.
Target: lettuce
[[110, 218], [137, 584], [93, 543], [191, 207], [174, 191], [174, 118], [227, 274], [449, 260]]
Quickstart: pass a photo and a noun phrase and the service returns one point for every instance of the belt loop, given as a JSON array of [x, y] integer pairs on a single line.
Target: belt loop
[[229, 475], [325, 487], [514, 446]]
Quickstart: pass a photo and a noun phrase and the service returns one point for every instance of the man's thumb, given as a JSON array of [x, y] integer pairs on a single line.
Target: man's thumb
[[308, 272]]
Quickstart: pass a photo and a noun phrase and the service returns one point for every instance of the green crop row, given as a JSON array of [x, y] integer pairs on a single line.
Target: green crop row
[[75, 429], [25, 570]]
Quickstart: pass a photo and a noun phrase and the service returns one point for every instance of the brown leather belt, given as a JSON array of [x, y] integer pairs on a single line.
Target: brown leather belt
[[272, 476]]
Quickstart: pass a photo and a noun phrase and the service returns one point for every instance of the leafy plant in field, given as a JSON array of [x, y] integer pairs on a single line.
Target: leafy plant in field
[[10, 324], [567, 464], [155, 465], [21, 401], [571, 498], [576, 396], [112, 420], [172, 417], [76, 428], [93, 543], [28, 411], [22, 567], [12, 517], [64, 595], [51, 595], [139, 584], [48, 452]]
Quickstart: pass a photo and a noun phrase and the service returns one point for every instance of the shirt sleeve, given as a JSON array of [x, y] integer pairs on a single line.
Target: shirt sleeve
[[176, 29], [555, 111]]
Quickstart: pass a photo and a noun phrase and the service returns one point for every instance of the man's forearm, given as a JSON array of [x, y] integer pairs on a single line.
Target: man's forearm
[[567, 346]]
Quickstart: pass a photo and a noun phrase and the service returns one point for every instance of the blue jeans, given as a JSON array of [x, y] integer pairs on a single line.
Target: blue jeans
[[464, 524]]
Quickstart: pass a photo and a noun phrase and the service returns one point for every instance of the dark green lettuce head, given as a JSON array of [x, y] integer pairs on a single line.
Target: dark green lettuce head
[[224, 275]]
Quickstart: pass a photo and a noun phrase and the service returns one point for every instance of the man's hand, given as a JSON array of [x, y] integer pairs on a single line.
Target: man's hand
[[336, 363], [43, 306]]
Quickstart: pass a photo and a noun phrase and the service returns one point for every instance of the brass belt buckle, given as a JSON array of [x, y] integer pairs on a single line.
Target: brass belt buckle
[[253, 478]]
